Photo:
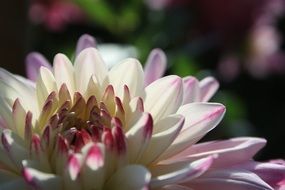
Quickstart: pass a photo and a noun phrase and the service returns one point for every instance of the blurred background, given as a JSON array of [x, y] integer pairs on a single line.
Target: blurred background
[[240, 42]]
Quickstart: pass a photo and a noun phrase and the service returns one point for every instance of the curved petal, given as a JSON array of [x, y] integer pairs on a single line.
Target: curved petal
[[155, 66], [39, 180], [64, 72], [46, 84], [271, 173], [133, 79], [230, 152], [139, 136], [191, 90], [129, 178], [163, 97], [161, 139], [34, 61], [233, 179], [87, 64], [85, 41], [13, 145], [208, 87], [12, 87], [179, 173], [200, 118]]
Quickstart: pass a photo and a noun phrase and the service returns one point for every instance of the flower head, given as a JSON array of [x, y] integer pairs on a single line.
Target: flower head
[[85, 126]]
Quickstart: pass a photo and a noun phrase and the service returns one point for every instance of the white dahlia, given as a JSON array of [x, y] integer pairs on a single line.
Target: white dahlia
[[85, 126]]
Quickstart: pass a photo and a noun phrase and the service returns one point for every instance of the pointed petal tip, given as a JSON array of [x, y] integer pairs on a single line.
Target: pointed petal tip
[[85, 41], [34, 61]]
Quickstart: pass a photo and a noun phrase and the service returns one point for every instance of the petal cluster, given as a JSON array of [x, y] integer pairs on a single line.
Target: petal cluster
[[84, 126]]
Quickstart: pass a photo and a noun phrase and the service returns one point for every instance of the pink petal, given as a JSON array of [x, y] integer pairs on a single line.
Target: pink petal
[[85, 41], [229, 179], [232, 151], [200, 118], [179, 173], [271, 173], [155, 66], [34, 61]]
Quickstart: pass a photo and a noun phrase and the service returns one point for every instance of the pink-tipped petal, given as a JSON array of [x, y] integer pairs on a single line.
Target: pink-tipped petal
[[40, 180], [179, 173], [233, 179], [64, 72], [230, 152], [93, 167], [155, 66], [161, 139], [163, 97], [134, 79], [34, 61], [208, 87], [73, 166], [139, 136], [200, 118], [89, 63], [85, 41], [191, 91]]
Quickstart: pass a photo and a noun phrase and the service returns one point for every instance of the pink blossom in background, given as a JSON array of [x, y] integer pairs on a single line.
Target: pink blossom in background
[[265, 56], [55, 14]]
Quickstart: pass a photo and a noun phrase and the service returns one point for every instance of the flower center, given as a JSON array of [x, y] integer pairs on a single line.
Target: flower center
[[80, 121]]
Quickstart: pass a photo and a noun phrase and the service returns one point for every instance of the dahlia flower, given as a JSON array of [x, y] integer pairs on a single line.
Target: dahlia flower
[[85, 126]]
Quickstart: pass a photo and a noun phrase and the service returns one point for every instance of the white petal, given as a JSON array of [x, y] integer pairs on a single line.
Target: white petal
[[179, 173], [88, 63], [130, 73], [19, 116], [163, 97], [71, 173], [131, 177], [45, 85], [138, 137], [94, 167], [5, 113], [64, 72], [160, 141], [39, 180], [12, 87], [208, 87], [13, 147], [200, 118], [191, 89]]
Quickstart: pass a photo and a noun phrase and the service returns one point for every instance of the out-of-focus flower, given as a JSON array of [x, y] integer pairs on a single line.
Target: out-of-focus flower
[[90, 127], [264, 55], [55, 14]]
